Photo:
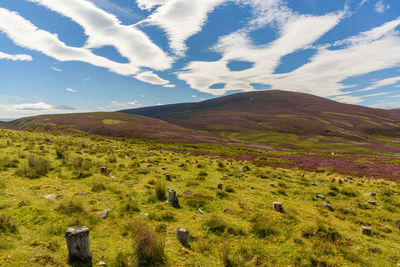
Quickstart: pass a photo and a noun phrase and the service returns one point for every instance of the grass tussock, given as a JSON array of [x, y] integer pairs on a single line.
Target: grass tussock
[[149, 246], [160, 191], [7, 225], [34, 167]]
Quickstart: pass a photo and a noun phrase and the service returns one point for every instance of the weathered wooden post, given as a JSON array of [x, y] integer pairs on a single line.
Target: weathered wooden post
[[78, 244], [183, 236], [278, 206], [168, 177], [173, 199], [366, 230]]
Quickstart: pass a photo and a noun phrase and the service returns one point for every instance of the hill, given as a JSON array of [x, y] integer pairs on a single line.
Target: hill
[[284, 119], [113, 125]]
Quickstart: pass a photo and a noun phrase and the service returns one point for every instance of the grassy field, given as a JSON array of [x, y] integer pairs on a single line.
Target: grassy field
[[237, 225]]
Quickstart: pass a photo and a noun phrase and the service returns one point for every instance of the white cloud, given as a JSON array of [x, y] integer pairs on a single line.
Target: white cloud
[[194, 96], [380, 6], [363, 2], [101, 28], [150, 4], [384, 82], [150, 77], [169, 85], [296, 33], [87, 79], [71, 90], [180, 19], [387, 105], [19, 57], [347, 99], [56, 69], [115, 105], [40, 106]]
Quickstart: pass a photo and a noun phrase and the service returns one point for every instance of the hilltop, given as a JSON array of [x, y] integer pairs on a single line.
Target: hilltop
[[284, 119]]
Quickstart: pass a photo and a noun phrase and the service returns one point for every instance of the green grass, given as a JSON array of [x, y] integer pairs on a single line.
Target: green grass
[[237, 225]]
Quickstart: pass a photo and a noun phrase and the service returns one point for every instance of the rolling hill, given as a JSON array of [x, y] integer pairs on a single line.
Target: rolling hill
[[283, 119], [113, 125]]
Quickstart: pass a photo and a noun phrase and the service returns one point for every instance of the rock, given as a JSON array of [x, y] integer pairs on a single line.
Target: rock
[[350, 177], [187, 193], [267, 172], [79, 152], [366, 230], [219, 186], [78, 244], [278, 207], [103, 170], [102, 263], [398, 224], [143, 213], [182, 235], [370, 194], [50, 196], [314, 184], [103, 214], [273, 185], [83, 194], [372, 202], [320, 196], [173, 199], [41, 148], [202, 212], [328, 206]]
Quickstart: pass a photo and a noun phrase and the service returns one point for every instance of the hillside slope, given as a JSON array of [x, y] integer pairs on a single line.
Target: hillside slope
[[113, 125], [264, 116]]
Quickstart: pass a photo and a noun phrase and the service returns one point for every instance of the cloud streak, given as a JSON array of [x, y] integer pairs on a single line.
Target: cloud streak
[[19, 57]]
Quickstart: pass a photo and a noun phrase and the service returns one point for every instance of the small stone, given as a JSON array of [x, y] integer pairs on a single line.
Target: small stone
[[168, 177], [102, 263], [103, 214], [219, 186], [273, 185], [202, 212], [79, 152], [83, 194], [187, 193], [41, 148], [50, 196], [366, 230], [103, 170], [267, 172], [350, 177], [143, 213], [328, 206], [372, 202], [314, 184], [278, 207], [320, 196], [398, 224]]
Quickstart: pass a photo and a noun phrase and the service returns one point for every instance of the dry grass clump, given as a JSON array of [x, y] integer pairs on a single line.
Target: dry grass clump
[[160, 191], [34, 167]]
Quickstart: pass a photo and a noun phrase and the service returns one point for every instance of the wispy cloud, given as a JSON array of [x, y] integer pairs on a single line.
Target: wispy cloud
[[115, 105], [19, 57], [56, 69], [41, 106], [381, 7], [71, 90]]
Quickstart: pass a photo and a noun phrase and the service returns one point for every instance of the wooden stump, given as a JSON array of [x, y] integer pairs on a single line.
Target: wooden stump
[[366, 230], [78, 244], [168, 177], [183, 236], [173, 199], [278, 206]]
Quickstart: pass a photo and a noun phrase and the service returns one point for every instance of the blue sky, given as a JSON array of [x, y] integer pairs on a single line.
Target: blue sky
[[59, 56]]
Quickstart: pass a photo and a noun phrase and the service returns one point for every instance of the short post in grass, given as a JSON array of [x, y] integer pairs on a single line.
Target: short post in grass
[[278, 206], [366, 230], [183, 236], [173, 199], [78, 244], [168, 177], [103, 170]]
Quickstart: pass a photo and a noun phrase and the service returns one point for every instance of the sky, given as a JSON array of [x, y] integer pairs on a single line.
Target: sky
[[62, 56]]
